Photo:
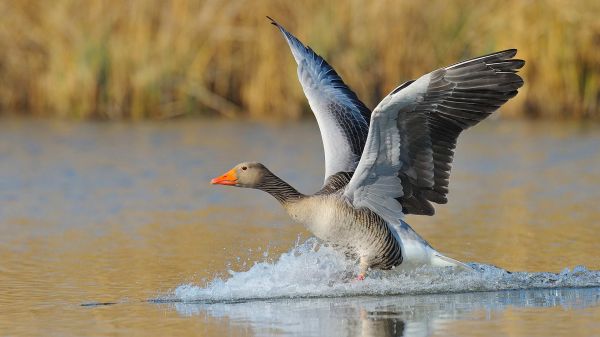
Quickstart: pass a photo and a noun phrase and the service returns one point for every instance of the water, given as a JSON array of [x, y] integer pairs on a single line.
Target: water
[[424, 315], [113, 229], [309, 270]]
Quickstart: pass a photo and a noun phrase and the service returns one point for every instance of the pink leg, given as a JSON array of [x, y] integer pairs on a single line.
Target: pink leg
[[364, 266]]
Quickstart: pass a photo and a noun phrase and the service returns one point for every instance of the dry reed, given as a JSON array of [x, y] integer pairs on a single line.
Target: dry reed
[[154, 59]]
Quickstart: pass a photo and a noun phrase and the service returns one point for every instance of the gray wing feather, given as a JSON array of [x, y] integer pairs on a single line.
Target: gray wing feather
[[343, 119], [428, 115], [375, 184]]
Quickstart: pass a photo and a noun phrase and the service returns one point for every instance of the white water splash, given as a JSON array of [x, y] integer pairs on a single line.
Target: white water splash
[[313, 270]]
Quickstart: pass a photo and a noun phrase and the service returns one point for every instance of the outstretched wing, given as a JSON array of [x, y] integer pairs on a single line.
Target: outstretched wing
[[408, 154], [343, 119]]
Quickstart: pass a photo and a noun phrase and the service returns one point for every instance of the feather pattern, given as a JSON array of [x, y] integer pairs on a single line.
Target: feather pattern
[[421, 121], [343, 119]]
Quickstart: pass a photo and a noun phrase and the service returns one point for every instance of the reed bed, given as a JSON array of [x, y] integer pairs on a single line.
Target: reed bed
[[157, 59]]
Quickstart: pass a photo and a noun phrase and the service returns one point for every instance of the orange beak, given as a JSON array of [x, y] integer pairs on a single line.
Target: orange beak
[[229, 178]]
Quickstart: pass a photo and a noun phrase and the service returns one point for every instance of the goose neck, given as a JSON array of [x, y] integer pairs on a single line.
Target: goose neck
[[279, 189]]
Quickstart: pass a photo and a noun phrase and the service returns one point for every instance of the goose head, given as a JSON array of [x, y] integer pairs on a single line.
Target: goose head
[[247, 174]]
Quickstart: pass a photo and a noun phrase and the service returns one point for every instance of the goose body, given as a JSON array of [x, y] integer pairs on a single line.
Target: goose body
[[383, 164], [364, 235], [359, 232]]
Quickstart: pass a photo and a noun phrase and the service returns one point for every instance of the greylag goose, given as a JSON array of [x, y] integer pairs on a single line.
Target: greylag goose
[[383, 164]]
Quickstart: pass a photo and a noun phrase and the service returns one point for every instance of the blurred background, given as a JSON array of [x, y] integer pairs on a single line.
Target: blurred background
[[160, 59], [122, 211]]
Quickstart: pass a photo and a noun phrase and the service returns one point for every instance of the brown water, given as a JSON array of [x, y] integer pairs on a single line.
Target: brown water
[[123, 213]]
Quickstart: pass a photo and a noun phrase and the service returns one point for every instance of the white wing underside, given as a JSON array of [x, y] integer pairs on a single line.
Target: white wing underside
[[343, 119], [339, 155]]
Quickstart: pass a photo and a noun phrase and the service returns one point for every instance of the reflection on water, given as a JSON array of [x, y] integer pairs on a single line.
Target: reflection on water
[[97, 212], [408, 316]]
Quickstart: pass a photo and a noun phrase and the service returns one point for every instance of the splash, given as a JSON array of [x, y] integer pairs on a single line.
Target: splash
[[314, 270]]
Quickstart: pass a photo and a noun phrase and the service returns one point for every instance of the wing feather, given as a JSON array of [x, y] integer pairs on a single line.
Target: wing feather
[[422, 119], [343, 119]]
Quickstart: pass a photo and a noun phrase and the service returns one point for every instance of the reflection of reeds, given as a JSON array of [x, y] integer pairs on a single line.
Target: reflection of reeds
[[149, 59]]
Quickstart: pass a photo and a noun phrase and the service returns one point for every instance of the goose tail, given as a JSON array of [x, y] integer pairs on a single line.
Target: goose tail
[[439, 260], [418, 252]]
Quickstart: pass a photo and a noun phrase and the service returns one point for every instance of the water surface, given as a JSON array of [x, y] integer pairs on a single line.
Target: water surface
[[95, 213]]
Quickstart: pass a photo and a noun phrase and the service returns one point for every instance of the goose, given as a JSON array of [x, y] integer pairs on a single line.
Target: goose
[[383, 164]]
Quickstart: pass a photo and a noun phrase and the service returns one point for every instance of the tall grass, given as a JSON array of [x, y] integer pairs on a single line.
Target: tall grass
[[153, 59]]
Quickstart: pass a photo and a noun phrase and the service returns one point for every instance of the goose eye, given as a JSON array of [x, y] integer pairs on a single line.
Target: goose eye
[[244, 168]]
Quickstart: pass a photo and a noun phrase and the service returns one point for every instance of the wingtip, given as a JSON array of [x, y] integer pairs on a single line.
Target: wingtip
[[273, 22], [288, 36], [519, 63], [504, 54]]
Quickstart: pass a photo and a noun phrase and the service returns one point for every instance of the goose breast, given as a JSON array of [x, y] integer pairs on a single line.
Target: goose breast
[[333, 220]]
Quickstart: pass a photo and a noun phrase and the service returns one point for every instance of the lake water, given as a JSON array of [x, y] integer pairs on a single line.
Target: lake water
[[114, 229]]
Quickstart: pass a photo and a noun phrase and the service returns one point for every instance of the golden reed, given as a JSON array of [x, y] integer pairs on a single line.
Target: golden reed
[[109, 59]]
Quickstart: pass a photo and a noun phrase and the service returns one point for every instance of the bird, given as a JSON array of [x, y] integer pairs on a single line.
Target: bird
[[385, 163]]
